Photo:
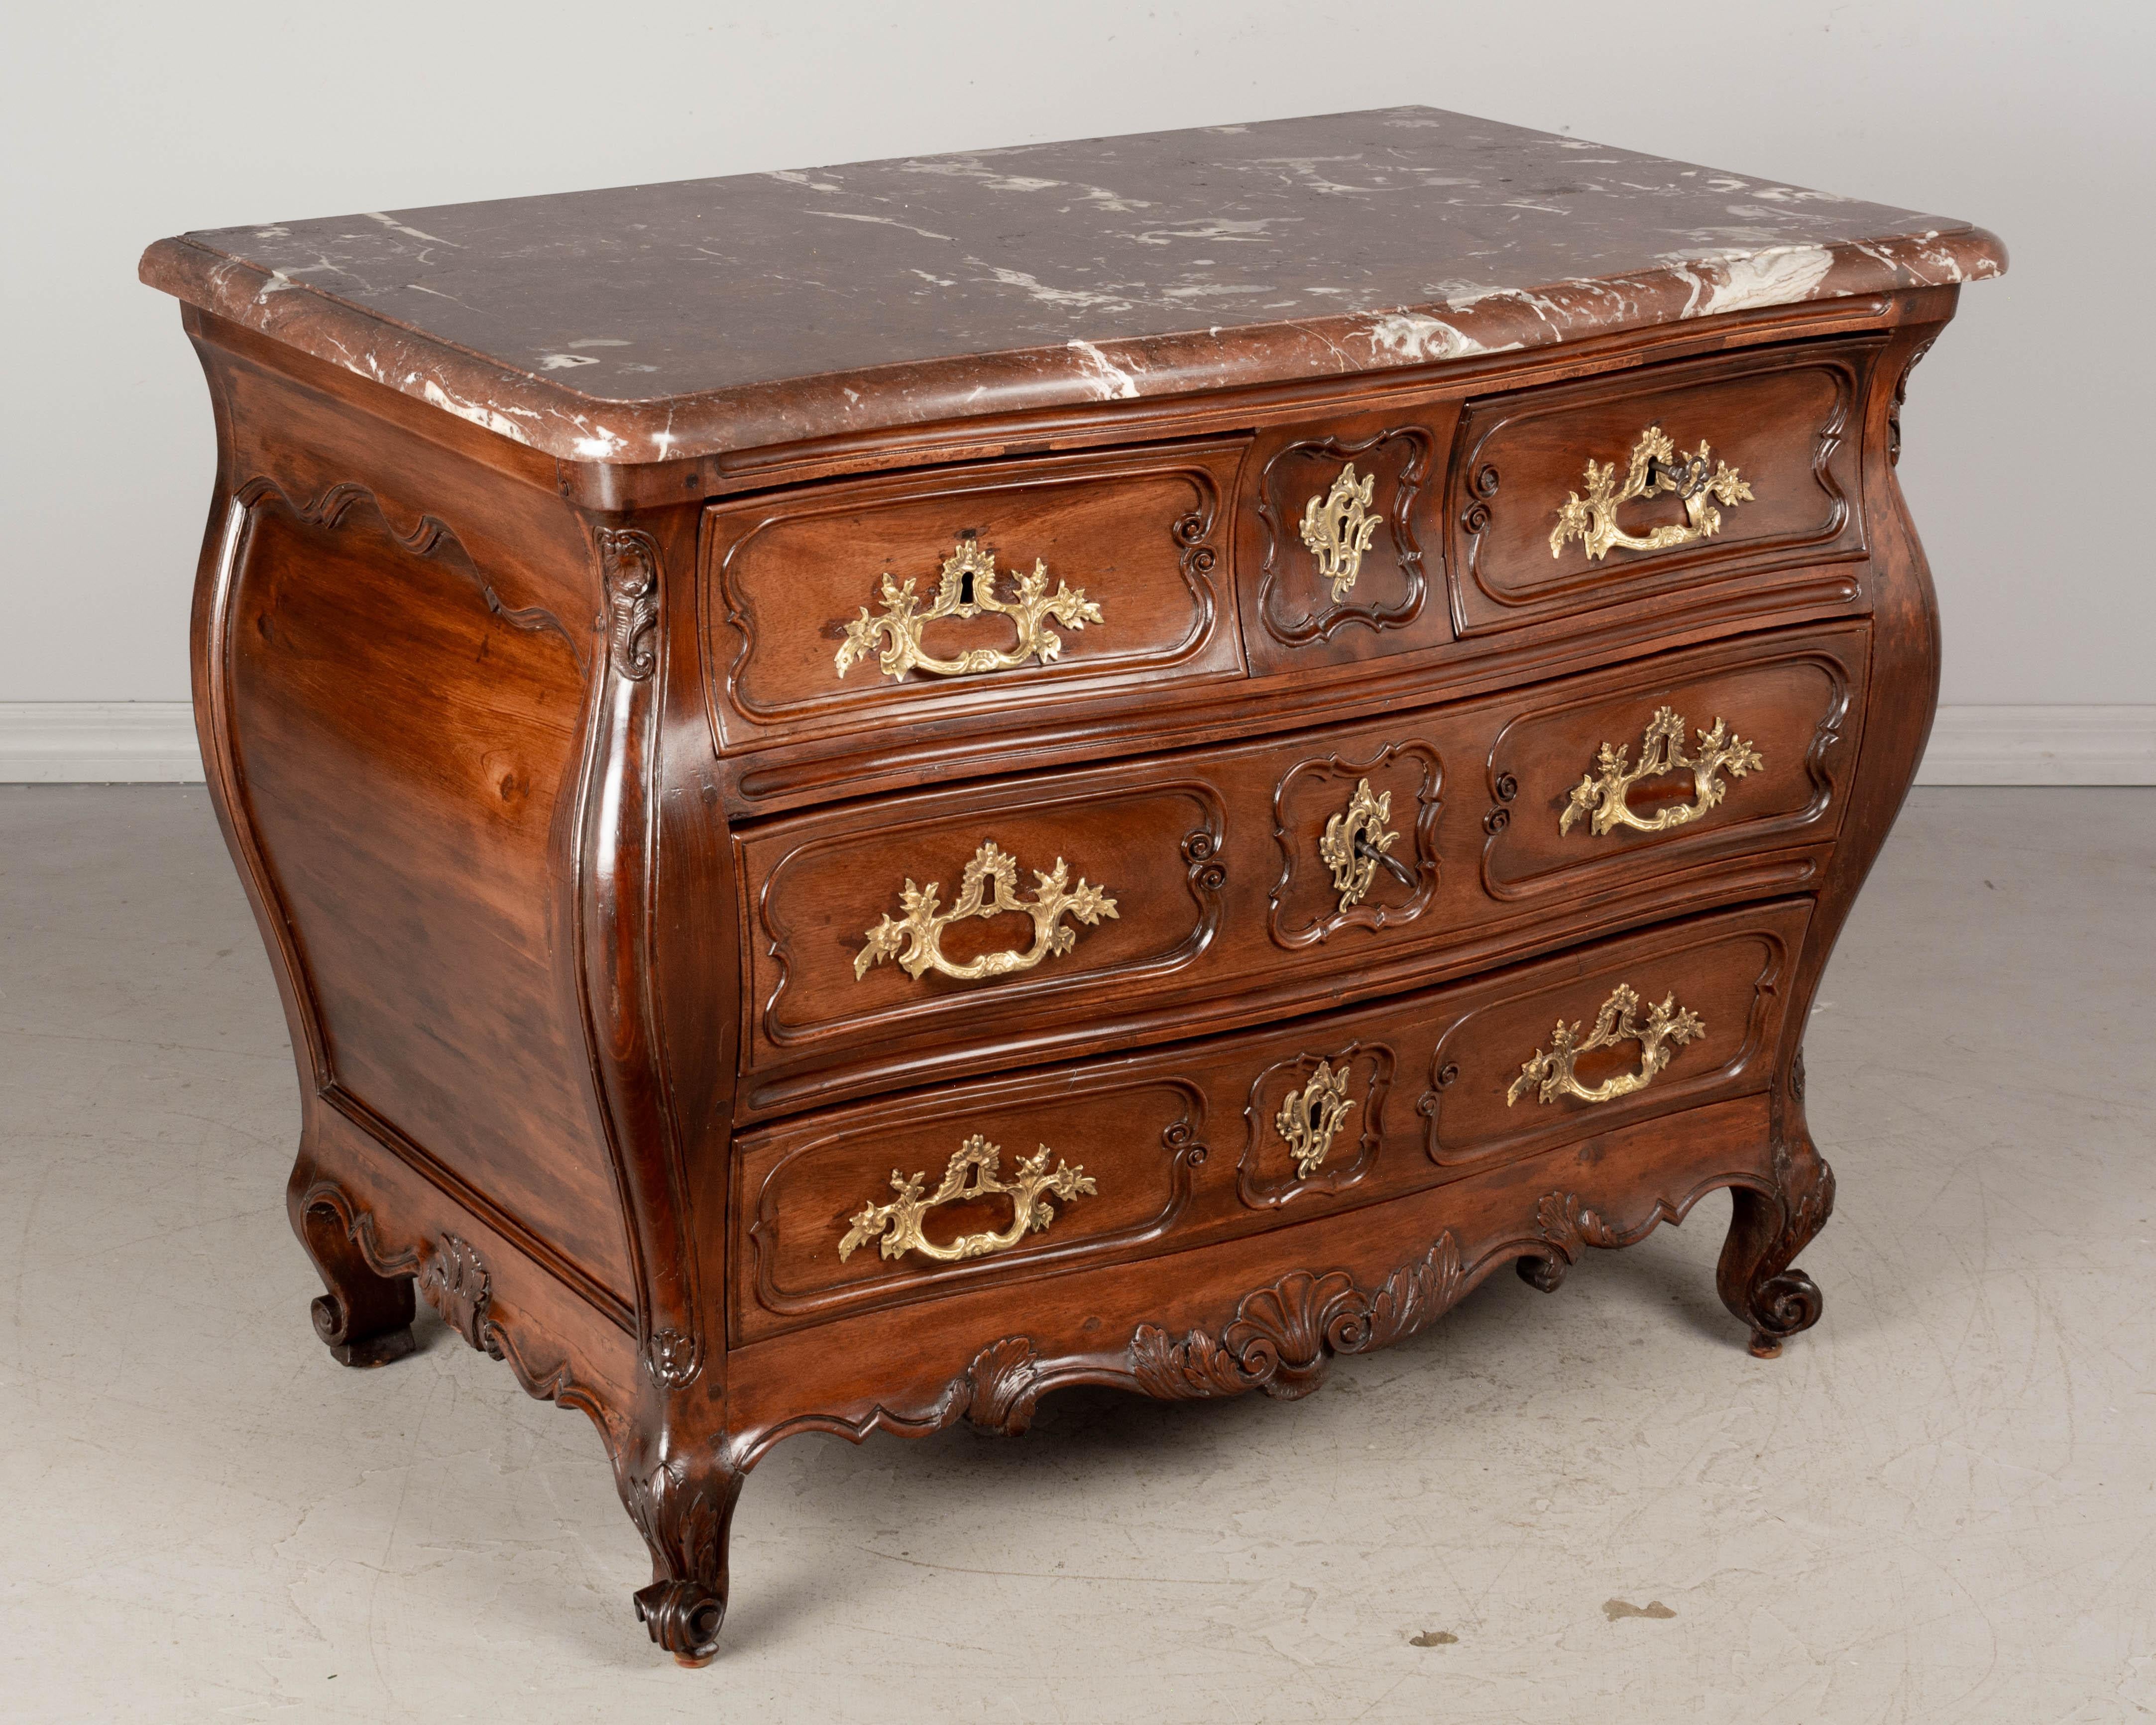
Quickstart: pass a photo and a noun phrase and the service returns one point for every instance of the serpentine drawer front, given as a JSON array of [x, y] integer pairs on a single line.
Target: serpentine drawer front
[[937, 934], [879, 790], [1566, 500], [1210, 1140], [968, 590]]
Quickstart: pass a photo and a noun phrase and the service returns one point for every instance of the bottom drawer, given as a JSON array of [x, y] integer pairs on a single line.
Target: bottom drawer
[[909, 1196]]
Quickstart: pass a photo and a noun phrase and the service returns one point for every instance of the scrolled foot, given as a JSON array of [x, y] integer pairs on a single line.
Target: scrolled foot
[[683, 1504], [1755, 1278], [684, 1617], [1543, 1272], [365, 1319], [351, 1343]]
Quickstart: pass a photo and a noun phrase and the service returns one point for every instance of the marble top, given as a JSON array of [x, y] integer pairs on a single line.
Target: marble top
[[656, 322]]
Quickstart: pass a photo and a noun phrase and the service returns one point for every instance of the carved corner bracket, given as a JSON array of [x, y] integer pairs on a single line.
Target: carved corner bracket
[[1901, 397], [630, 560]]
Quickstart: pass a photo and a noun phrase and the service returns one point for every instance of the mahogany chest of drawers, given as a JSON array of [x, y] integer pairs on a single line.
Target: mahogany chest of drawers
[[876, 790]]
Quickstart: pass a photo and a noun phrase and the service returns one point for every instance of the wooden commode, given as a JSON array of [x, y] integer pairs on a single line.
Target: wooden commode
[[877, 790]]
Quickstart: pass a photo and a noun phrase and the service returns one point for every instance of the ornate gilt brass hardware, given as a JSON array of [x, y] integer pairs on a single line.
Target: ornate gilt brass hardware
[[973, 1173], [1601, 795], [989, 886], [1338, 528], [1654, 469], [967, 589], [1356, 842], [1310, 1116], [1666, 1029]]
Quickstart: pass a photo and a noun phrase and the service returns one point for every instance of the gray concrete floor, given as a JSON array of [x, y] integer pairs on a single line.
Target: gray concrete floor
[[1939, 1505]]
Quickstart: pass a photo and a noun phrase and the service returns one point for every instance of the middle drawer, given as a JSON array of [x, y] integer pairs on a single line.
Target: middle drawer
[[946, 933]]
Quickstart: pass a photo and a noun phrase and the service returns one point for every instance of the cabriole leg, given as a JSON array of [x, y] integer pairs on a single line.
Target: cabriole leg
[[683, 1504], [1767, 1231], [365, 1319]]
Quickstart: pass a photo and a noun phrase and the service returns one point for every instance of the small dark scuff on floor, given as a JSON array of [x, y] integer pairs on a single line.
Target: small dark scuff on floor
[[1615, 1609]]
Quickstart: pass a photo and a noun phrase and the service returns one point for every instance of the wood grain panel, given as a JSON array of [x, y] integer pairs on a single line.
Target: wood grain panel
[[1185, 1142], [1226, 911], [1138, 531], [1785, 418]]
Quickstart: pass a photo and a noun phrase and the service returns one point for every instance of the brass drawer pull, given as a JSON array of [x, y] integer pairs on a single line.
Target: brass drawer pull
[[1654, 469], [973, 1173], [920, 931], [967, 588], [1311, 1116], [1600, 795], [1355, 845], [1667, 1028], [1338, 529]]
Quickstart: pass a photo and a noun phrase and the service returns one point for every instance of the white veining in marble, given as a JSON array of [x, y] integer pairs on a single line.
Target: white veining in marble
[[1093, 270]]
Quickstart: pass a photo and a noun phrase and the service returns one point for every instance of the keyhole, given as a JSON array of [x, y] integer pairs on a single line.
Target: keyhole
[[1316, 1114], [966, 587]]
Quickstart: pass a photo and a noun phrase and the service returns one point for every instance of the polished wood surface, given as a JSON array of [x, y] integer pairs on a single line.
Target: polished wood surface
[[1408, 903]]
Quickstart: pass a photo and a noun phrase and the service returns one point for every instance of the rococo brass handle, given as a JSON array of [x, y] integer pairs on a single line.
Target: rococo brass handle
[[1311, 1117], [1654, 469], [967, 589], [1666, 1029], [989, 886], [1356, 844], [973, 1173], [1338, 529], [1600, 795]]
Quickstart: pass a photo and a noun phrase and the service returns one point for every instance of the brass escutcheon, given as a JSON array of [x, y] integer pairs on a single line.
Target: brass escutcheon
[[1600, 795], [1310, 1116], [967, 589], [1666, 1029], [1653, 470], [1356, 842], [989, 886], [1338, 528], [973, 1173]]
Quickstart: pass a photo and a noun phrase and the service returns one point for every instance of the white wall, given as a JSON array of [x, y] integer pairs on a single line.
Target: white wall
[[2028, 428]]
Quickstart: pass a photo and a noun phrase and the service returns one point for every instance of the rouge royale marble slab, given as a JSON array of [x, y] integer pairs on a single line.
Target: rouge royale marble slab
[[654, 323]]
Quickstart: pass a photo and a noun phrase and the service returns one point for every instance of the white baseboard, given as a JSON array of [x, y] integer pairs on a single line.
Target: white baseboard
[[98, 742], [153, 742], [2041, 745]]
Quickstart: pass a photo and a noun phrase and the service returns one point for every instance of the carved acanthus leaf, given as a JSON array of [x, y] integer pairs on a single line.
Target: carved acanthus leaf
[[1570, 1227], [1002, 1385], [1283, 1338], [631, 557], [454, 1282]]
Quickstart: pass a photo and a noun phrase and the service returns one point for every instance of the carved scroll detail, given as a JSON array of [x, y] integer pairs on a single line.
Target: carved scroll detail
[[1283, 1338], [1902, 396], [684, 1507], [632, 591], [455, 1283]]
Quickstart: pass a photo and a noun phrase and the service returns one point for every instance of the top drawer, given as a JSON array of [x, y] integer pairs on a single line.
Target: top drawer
[[864, 602], [1569, 499]]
